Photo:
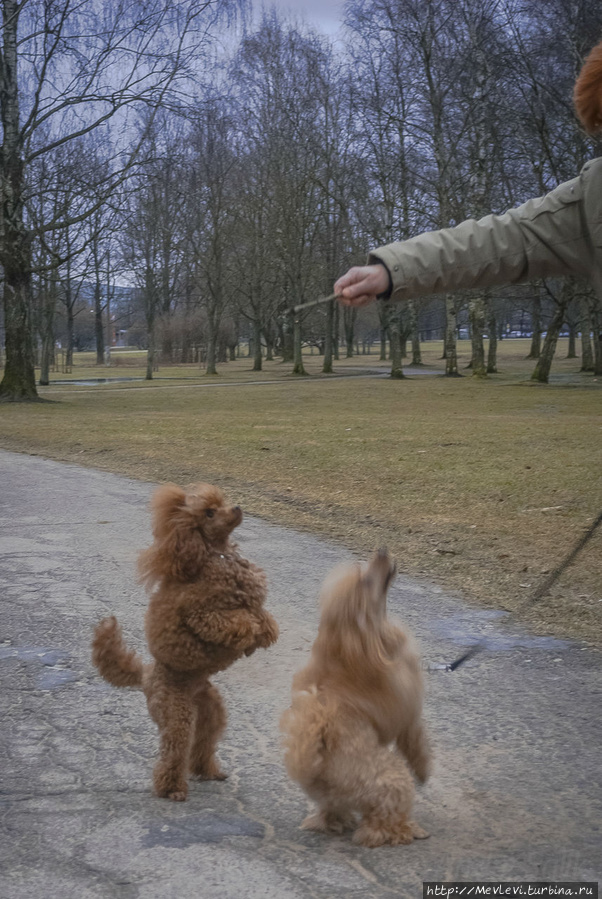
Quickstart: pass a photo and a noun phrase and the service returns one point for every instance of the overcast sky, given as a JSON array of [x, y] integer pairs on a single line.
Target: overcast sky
[[324, 14]]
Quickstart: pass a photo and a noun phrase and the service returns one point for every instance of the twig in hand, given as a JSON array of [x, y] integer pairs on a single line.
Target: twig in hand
[[301, 306]]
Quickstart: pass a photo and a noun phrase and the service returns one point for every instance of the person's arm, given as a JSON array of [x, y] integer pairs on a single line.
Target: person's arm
[[544, 237]]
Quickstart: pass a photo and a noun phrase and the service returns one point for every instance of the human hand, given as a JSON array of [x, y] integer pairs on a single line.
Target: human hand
[[362, 284]]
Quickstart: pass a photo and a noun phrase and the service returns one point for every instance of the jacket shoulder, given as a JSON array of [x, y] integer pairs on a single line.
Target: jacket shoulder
[[591, 180]]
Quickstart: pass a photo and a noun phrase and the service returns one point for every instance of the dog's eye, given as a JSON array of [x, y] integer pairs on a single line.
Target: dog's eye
[[209, 513]]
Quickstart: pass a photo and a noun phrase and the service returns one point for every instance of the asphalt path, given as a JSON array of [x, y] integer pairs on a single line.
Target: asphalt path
[[516, 790]]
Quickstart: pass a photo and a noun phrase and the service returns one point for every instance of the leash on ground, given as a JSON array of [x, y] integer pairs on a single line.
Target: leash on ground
[[541, 591]]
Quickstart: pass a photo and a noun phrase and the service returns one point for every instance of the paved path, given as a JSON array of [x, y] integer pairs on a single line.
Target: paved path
[[515, 794]]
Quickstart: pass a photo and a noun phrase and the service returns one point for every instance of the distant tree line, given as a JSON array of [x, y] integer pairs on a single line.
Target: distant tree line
[[226, 187]]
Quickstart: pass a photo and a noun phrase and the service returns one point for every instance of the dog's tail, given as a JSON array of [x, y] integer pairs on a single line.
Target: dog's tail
[[308, 735], [588, 91], [119, 665]]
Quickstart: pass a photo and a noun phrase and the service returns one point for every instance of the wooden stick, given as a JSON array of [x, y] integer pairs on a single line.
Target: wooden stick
[[301, 306]]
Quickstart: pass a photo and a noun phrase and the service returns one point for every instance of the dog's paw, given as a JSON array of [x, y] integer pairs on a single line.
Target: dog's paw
[[375, 834], [209, 774], [176, 793], [317, 823], [177, 796], [325, 822], [268, 634], [241, 639], [422, 768], [417, 831]]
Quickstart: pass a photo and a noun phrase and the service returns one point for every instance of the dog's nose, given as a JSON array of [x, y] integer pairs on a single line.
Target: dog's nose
[[236, 509]]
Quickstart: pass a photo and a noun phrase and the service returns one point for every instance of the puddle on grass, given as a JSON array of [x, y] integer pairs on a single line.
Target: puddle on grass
[[94, 382], [55, 670], [207, 828]]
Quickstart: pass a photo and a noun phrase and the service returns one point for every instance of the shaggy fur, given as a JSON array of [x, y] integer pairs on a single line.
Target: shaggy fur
[[360, 693], [588, 91], [205, 612]]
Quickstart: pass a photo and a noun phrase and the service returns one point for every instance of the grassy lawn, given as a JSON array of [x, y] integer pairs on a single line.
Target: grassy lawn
[[481, 486]]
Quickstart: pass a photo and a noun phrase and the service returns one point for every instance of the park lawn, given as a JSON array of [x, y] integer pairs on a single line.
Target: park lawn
[[480, 486]]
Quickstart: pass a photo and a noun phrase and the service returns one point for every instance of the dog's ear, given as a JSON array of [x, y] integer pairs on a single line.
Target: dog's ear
[[179, 550], [185, 552], [166, 505]]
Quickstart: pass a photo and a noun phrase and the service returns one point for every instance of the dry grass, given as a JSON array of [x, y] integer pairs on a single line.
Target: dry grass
[[480, 486]]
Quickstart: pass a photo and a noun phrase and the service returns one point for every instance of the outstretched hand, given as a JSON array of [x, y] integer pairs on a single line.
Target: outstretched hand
[[362, 284]]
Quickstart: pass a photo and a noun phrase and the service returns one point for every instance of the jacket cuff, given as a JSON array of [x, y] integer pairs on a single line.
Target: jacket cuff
[[375, 260]]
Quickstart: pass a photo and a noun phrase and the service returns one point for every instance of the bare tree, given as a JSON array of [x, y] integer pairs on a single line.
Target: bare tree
[[561, 302], [283, 70], [66, 69], [153, 244], [210, 215]]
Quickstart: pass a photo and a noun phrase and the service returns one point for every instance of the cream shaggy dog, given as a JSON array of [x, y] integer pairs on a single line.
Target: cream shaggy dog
[[355, 723]]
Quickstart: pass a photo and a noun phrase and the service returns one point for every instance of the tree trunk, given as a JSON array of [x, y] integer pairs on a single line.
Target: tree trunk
[[587, 355], [210, 366], [597, 334], [187, 348], [166, 342], [477, 308], [544, 364], [416, 351], [47, 302], [336, 331], [47, 358], [150, 354], [328, 341], [19, 381], [349, 318], [288, 349], [396, 348], [384, 312], [257, 357], [572, 351], [492, 351], [451, 354], [99, 331], [297, 349], [70, 329], [269, 344], [535, 328]]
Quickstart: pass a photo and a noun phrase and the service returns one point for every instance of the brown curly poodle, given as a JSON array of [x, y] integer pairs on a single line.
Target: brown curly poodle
[[205, 612], [355, 718]]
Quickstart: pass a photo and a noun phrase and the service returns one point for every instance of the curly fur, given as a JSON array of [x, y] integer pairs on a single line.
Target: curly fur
[[588, 91], [205, 612], [354, 728]]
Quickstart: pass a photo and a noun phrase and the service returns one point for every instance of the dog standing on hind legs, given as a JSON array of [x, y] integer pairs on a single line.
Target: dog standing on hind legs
[[205, 612], [354, 728]]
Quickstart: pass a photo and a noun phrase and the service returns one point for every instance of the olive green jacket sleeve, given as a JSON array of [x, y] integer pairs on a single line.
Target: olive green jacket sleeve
[[558, 234]]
